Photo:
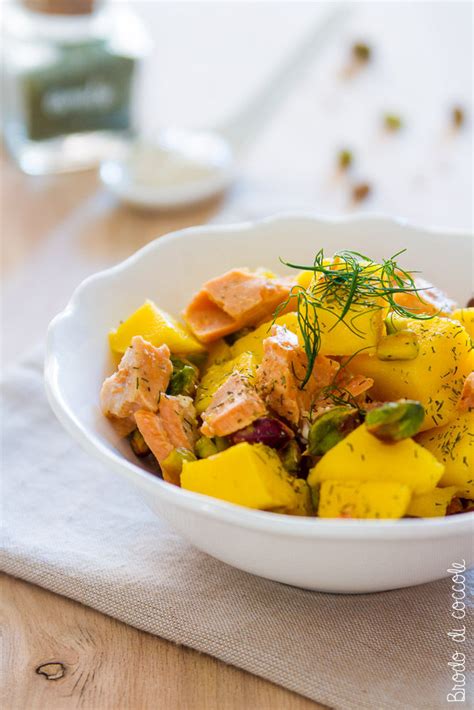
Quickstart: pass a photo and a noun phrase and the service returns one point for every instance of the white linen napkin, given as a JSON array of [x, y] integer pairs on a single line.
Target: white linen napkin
[[74, 527]]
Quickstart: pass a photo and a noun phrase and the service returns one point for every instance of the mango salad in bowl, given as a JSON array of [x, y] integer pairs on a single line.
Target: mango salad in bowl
[[342, 390]]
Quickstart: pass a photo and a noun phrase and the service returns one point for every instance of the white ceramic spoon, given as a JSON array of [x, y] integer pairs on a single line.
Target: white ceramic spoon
[[189, 166]]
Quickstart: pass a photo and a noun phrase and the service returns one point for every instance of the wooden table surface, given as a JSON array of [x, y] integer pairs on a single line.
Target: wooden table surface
[[56, 230]]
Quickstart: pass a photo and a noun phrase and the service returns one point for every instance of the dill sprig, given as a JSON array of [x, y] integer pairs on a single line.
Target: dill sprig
[[350, 285]]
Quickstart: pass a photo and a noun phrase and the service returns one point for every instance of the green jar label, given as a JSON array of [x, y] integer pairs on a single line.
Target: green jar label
[[92, 94]]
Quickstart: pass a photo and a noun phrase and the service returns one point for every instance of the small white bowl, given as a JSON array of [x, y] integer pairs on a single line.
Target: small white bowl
[[327, 555], [181, 169]]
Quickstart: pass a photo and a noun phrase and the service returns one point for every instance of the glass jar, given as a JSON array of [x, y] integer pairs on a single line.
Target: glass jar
[[69, 75]]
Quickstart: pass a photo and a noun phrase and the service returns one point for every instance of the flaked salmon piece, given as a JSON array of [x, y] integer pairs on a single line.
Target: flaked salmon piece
[[233, 300], [143, 373], [153, 431], [347, 388], [282, 363], [467, 396], [282, 371], [179, 417], [234, 406], [430, 299], [354, 385], [172, 426], [207, 321]]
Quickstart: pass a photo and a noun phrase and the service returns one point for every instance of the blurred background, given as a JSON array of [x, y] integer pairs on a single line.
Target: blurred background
[[378, 119]]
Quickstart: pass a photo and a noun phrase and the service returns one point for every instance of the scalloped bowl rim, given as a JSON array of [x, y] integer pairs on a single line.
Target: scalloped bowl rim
[[206, 506]]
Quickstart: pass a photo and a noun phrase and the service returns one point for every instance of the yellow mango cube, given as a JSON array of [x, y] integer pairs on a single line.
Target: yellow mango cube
[[362, 457], [218, 352], [217, 374], [158, 328], [304, 279], [432, 504], [303, 504], [339, 499], [245, 474], [470, 361], [339, 337], [466, 317], [361, 327], [435, 377], [453, 445]]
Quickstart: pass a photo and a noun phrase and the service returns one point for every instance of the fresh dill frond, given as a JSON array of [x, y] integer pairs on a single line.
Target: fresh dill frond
[[349, 285]]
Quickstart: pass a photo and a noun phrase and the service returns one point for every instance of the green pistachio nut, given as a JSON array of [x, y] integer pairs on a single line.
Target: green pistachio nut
[[402, 345], [197, 359], [330, 428], [205, 447], [221, 442], [393, 421], [138, 444], [394, 323], [184, 378], [291, 457], [173, 463]]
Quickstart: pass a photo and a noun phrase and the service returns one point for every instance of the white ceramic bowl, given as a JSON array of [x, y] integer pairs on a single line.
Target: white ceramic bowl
[[328, 555]]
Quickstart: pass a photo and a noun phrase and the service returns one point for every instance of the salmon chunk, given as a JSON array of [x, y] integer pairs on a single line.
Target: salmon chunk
[[354, 385], [347, 388], [144, 372], [207, 321], [236, 299], [153, 431], [234, 406], [429, 299], [179, 417], [171, 427], [282, 371], [247, 296]]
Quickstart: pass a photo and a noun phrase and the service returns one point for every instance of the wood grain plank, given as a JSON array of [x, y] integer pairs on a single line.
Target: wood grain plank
[[32, 207], [103, 664]]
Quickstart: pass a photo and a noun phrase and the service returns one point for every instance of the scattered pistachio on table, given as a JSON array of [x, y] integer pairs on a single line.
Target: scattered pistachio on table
[[458, 116], [361, 191], [345, 159], [392, 122], [361, 51]]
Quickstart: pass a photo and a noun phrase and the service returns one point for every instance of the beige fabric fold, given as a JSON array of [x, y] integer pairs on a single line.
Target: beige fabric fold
[[74, 527]]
